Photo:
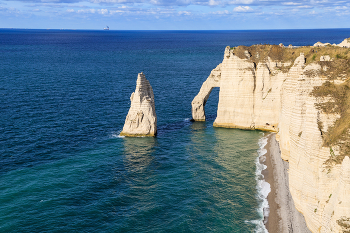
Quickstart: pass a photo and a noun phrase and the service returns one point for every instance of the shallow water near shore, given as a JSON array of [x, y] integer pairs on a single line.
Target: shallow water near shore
[[64, 98]]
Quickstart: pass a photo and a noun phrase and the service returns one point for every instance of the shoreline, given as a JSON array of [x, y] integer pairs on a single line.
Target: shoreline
[[283, 216], [271, 223]]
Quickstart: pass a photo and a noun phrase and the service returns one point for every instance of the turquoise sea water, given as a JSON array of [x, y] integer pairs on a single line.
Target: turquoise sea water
[[64, 97]]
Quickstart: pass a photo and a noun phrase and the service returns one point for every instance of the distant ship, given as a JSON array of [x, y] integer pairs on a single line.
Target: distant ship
[[106, 28]]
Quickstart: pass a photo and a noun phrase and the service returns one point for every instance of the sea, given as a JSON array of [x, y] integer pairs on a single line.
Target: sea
[[64, 96]]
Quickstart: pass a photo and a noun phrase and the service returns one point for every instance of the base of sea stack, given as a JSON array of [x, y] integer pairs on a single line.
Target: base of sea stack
[[283, 217], [137, 135], [193, 120]]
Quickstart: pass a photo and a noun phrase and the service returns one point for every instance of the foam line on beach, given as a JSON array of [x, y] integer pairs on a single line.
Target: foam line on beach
[[284, 217], [263, 187]]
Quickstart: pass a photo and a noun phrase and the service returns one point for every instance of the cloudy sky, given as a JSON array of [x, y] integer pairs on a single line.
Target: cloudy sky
[[175, 14]]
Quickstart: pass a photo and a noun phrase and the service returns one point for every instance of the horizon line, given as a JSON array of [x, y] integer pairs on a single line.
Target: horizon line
[[265, 29]]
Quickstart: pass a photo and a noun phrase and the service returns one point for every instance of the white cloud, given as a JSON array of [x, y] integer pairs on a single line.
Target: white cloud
[[102, 11], [112, 12], [113, 1], [225, 12], [92, 11], [184, 13], [341, 8], [242, 9], [146, 4], [10, 10], [291, 3], [213, 3], [87, 11], [236, 2], [305, 7]]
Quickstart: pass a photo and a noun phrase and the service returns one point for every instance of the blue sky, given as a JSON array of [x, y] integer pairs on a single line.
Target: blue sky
[[174, 14]]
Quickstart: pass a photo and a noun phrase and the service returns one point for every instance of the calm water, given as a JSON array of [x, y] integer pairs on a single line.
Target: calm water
[[64, 96]]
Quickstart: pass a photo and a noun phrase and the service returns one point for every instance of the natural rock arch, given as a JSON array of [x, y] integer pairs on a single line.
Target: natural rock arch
[[198, 103]]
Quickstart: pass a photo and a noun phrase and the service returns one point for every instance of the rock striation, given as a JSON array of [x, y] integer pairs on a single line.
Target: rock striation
[[141, 119], [272, 88]]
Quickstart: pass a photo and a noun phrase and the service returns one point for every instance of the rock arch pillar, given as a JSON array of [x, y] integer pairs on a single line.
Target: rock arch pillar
[[198, 103]]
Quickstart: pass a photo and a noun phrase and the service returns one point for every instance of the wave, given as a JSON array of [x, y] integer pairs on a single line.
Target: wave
[[116, 134], [263, 188]]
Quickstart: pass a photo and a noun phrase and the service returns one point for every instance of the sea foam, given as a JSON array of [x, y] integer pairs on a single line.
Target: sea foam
[[263, 188], [117, 135]]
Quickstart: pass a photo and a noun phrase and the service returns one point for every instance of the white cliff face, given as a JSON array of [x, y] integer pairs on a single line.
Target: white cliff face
[[141, 119], [320, 44], [246, 89], [345, 43], [261, 96], [318, 191]]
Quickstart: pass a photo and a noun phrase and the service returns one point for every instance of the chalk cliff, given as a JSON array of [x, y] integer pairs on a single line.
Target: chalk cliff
[[345, 43], [141, 119], [302, 94], [198, 103]]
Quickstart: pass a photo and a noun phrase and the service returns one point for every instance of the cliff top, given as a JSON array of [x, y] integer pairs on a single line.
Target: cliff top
[[290, 53], [335, 59]]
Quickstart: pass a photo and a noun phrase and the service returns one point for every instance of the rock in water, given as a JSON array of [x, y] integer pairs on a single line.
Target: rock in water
[[141, 119]]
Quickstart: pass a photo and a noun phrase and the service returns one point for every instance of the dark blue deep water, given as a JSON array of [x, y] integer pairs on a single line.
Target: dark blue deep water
[[64, 96]]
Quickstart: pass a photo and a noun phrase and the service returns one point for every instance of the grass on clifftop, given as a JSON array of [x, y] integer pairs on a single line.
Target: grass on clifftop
[[340, 56]]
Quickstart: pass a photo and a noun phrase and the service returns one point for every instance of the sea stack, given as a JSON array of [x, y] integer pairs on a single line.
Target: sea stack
[[141, 119]]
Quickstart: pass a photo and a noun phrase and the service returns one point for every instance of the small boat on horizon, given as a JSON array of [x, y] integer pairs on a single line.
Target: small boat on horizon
[[106, 28]]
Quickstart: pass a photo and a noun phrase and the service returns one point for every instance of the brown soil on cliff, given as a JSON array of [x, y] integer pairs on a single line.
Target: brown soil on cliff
[[339, 66], [339, 102]]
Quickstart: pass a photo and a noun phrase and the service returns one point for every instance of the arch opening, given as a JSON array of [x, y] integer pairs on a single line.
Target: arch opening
[[199, 102]]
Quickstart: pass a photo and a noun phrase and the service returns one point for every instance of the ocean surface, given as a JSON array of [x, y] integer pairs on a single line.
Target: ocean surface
[[64, 96]]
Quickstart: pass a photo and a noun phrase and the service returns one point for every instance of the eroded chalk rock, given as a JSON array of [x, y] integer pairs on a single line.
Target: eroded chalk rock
[[141, 119], [320, 44], [198, 103], [325, 58], [345, 43]]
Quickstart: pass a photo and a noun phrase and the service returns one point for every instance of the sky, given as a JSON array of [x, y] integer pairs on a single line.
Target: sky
[[174, 14]]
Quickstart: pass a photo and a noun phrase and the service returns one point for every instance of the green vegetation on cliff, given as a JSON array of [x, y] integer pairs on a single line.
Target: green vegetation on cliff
[[338, 66], [338, 97]]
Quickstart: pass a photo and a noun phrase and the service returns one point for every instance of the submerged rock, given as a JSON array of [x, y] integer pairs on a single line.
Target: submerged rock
[[141, 119]]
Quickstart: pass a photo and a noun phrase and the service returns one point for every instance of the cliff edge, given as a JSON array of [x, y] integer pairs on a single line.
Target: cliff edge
[[302, 94]]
